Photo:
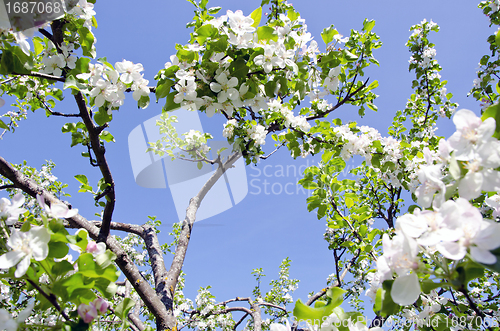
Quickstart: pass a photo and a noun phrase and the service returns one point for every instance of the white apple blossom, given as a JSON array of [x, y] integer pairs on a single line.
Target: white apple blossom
[[140, 88], [430, 178], [56, 210], [129, 71], [471, 133], [332, 80], [480, 175], [281, 327], [258, 134], [186, 89], [10, 209], [240, 23], [477, 235], [24, 246], [494, 203], [229, 128], [54, 64], [225, 88], [9, 323], [269, 60], [400, 257]]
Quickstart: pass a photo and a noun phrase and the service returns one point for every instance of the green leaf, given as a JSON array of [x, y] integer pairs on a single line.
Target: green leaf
[[170, 104], [77, 282], [493, 111], [389, 307], [13, 62], [82, 179], [348, 56], [315, 316], [72, 82], [62, 268], [270, 88], [102, 117], [328, 34], [336, 294], [163, 88], [124, 307], [106, 136], [428, 285], [256, 15], [266, 33], [204, 32], [497, 38], [86, 41], [368, 25], [3, 125], [37, 42], [143, 102], [79, 239], [105, 259], [349, 202], [89, 268], [58, 249], [239, 69], [214, 10]]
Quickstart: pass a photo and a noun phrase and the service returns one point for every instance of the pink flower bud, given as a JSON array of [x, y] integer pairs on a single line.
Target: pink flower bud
[[91, 246], [95, 248], [101, 305], [87, 312]]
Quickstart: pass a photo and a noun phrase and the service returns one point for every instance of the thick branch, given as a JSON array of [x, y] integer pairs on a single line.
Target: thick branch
[[158, 265], [183, 242]]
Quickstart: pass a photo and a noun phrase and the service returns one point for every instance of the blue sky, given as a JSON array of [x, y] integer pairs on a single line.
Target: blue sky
[[263, 229]]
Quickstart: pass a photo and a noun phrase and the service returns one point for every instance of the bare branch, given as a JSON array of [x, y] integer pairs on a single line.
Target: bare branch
[[95, 144], [50, 297], [183, 242]]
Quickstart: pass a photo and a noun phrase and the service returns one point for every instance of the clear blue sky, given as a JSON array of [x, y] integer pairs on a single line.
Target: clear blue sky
[[263, 229]]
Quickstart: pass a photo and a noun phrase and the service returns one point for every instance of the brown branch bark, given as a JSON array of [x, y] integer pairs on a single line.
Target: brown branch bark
[[99, 152], [170, 281]]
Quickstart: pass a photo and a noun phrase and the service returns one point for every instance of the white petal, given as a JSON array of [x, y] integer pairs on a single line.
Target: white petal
[[482, 255], [451, 250], [10, 259], [17, 200], [23, 266], [411, 225], [405, 289], [470, 185]]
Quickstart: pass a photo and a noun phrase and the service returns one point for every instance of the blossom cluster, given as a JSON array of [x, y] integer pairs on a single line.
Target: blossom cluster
[[452, 228], [204, 78], [110, 84]]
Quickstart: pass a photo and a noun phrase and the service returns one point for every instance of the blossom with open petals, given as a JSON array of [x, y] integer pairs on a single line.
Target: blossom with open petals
[[10, 209], [24, 246], [471, 133], [477, 235], [56, 210], [225, 88]]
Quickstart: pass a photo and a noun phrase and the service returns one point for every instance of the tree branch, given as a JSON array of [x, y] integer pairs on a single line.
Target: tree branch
[[51, 298], [183, 242], [95, 144]]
